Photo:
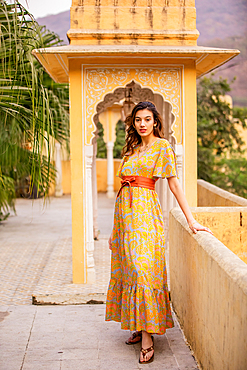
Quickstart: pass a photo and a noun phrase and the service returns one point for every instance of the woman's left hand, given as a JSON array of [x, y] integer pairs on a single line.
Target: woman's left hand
[[195, 226]]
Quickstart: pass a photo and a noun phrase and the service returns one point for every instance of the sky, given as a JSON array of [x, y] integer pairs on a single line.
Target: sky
[[41, 8]]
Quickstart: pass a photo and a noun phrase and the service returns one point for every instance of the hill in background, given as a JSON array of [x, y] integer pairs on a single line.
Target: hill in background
[[236, 69], [221, 23], [58, 23], [221, 19]]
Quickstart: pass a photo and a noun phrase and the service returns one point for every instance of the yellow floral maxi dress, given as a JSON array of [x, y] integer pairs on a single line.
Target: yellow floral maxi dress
[[137, 294]]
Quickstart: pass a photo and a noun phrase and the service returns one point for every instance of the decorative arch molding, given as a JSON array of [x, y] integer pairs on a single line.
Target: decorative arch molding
[[103, 86], [137, 93]]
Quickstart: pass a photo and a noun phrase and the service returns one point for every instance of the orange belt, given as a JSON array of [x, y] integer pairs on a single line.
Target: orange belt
[[136, 181]]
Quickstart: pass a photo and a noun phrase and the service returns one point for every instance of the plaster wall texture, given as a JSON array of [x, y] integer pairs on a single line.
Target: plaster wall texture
[[78, 194], [66, 177], [209, 295], [209, 195], [229, 225], [111, 21], [101, 169]]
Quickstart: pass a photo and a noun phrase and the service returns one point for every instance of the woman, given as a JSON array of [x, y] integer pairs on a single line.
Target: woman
[[137, 294]]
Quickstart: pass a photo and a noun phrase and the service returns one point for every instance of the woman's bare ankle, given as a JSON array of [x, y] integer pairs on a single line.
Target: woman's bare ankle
[[146, 340]]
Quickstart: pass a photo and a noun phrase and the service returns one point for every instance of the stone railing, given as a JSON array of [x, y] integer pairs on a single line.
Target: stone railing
[[209, 195], [208, 285], [229, 225]]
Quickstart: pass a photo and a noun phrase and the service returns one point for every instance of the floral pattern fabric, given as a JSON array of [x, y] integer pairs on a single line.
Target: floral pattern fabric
[[137, 294]]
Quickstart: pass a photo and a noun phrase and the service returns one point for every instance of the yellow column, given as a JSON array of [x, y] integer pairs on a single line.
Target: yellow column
[[190, 134], [77, 165]]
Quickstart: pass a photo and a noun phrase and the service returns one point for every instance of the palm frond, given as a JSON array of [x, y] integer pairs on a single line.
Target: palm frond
[[33, 109]]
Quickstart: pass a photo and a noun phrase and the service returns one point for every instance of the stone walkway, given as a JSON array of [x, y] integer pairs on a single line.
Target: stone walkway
[[27, 242], [35, 257]]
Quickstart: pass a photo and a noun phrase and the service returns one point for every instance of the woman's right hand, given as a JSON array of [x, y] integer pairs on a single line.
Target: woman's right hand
[[110, 242]]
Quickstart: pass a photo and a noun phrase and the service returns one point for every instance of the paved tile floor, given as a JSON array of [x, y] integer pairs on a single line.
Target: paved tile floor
[[63, 337], [77, 337], [26, 245]]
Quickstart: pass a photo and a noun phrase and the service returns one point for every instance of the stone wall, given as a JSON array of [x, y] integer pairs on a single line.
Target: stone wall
[[168, 22], [209, 195], [229, 225], [101, 168], [209, 295]]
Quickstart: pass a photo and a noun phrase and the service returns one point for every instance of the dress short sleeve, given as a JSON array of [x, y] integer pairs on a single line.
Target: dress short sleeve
[[166, 162], [118, 174]]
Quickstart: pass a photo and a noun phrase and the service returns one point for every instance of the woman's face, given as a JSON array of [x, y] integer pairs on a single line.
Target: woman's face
[[144, 123]]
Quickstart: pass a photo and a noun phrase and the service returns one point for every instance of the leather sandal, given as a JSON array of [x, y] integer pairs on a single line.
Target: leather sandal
[[145, 351], [135, 335]]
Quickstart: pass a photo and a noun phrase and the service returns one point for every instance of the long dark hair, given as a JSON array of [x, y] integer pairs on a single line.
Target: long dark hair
[[132, 137]]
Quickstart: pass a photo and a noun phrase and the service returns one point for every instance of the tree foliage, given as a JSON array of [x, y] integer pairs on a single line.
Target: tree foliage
[[220, 146], [33, 109], [120, 139], [232, 175], [119, 142], [101, 146], [240, 114]]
